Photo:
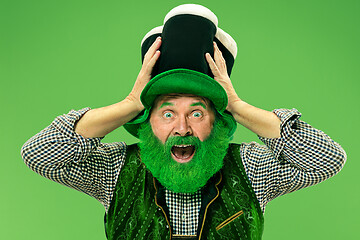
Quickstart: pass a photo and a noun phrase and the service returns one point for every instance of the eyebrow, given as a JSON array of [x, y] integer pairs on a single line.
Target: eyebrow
[[198, 104], [166, 104]]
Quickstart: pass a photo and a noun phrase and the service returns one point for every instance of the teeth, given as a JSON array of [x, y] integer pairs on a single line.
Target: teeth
[[182, 146]]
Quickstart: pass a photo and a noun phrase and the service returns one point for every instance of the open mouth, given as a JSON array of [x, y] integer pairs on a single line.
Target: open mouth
[[182, 153]]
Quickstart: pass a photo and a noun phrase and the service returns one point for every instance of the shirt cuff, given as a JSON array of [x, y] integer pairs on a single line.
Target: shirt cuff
[[65, 124], [288, 117]]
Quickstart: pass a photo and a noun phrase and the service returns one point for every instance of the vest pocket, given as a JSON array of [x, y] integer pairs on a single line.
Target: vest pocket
[[229, 220]]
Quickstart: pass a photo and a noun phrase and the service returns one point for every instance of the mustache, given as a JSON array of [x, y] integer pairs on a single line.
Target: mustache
[[187, 140]]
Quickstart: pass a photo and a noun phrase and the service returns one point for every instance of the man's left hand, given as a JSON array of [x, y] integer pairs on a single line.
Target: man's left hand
[[219, 70]]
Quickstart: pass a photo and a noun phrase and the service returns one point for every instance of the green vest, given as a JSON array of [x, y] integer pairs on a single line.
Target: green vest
[[229, 207]]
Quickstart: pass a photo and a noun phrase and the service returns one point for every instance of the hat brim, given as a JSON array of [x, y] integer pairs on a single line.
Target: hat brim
[[182, 81]]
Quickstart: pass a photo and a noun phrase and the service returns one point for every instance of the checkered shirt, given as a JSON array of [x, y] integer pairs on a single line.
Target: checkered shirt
[[301, 157], [184, 211]]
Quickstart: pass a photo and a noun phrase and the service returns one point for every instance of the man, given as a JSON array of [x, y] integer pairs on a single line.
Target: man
[[184, 180]]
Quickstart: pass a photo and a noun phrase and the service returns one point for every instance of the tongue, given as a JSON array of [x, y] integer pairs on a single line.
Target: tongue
[[183, 152]]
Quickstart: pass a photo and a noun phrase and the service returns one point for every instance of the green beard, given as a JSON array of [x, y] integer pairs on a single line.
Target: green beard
[[184, 177]]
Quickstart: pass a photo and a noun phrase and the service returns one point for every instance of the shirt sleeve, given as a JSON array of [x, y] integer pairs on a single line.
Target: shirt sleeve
[[301, 157], [85, 164]]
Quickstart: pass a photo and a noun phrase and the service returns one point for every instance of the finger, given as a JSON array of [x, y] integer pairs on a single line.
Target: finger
[[152, 61], [214, 69], [218, 57], [153, 48], [218, 54]]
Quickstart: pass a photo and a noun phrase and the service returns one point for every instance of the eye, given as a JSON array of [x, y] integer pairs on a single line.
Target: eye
[[197, 114], [168, 115]]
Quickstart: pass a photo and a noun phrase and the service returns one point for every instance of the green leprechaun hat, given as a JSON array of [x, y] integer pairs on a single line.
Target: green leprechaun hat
[[188, 33]]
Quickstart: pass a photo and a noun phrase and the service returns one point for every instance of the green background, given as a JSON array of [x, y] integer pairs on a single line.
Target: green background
[[61, 55]]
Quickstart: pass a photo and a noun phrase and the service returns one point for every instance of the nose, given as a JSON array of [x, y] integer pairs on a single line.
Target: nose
[[182, 127]]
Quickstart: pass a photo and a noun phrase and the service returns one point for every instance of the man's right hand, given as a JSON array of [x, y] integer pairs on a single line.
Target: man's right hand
[[144, 76], [101, 121]]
